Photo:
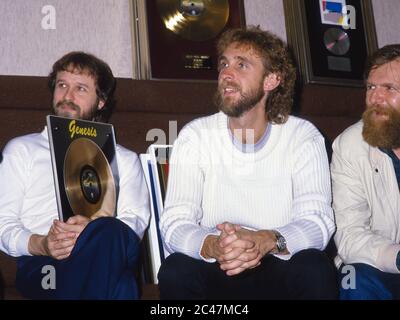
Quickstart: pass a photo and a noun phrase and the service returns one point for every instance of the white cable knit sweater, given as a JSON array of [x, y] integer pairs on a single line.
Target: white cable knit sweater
[[283, 186]]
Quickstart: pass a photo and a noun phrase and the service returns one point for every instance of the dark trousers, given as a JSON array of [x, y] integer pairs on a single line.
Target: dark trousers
[[361, 281], [309, 274], [102, 265]]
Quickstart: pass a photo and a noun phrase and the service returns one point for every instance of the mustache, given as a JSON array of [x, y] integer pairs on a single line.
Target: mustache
[[68, 103], [229, 84], [375, 108]]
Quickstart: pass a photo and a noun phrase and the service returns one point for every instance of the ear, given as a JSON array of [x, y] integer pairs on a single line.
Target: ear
[[101, 104], [271, 81]]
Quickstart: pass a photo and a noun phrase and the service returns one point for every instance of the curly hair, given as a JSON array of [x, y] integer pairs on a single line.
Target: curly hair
[[276, 59], [98, 69], [380, 57]]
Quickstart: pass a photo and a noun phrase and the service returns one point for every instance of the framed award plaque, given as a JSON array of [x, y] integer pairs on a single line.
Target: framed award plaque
[[182, 36], [331, 39]]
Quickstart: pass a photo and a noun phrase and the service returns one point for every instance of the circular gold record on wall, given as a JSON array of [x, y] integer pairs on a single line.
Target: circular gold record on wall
[[336, 41], [196, 20], [88, 179]]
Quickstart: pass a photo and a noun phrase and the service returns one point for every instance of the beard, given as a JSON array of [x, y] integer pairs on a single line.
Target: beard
[[245, 103], [74, 111], [382, 133]]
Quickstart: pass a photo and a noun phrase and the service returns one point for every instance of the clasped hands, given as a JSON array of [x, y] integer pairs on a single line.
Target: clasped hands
[[62, 236], [237, 249]]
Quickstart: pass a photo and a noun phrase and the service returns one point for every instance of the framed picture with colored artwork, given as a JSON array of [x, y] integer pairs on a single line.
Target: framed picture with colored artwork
[[331, 39]]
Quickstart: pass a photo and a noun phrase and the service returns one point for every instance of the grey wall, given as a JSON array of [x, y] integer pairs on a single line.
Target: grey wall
[[98, 26], [103, 27], [268, 14], [387, 13]]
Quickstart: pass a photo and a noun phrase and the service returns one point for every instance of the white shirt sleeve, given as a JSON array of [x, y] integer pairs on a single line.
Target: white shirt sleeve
[[14, 170], [180, 220], [312, 222]]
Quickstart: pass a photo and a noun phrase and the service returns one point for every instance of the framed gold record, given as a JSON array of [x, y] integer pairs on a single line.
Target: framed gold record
[[88, 179], [331, 39], [83, 156], [182, 36]]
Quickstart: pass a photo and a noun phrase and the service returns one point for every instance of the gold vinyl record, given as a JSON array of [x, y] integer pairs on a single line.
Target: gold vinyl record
[[196, 20], [88, 179]]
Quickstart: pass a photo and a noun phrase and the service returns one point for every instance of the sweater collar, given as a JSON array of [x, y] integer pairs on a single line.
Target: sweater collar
[[273, 138]]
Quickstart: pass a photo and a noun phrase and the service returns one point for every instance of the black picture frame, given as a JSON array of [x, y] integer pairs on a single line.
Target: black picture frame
[[308, 37]]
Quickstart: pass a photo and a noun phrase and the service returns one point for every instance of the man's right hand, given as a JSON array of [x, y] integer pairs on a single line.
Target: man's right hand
[[57, 245]]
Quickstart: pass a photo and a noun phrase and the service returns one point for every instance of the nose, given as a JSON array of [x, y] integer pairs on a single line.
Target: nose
[[226, 73], [377, 96], [68, 94]]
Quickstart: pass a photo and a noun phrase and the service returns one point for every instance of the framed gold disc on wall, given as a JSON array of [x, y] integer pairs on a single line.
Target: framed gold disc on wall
[[182, 35]]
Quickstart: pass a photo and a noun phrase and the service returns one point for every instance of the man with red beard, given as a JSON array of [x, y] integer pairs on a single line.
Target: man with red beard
[[366, 176], [248, 204], [79, 258]]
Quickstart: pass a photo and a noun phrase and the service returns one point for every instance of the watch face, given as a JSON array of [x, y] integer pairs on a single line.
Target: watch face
[[281, 243]]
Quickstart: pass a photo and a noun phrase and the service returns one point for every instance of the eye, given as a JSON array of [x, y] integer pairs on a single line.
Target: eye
[[391, 88], [82, 89], [370, 87], [222, 64], [242, 65], [61, 85]]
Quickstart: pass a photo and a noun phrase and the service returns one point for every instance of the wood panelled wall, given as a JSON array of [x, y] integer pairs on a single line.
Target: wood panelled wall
[[143, 105]]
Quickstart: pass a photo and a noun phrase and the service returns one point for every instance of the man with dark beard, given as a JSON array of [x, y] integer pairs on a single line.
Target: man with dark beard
[[79, 258], [366, 176], [247, 210]]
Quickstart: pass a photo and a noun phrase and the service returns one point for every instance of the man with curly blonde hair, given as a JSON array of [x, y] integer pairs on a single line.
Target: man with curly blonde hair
[[247, 211]]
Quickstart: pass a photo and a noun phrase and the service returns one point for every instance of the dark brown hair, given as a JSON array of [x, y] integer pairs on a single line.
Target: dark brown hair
[[380, 57], [98, 69], [276, 59]]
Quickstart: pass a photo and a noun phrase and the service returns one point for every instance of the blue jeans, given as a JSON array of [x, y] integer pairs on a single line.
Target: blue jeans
[[102, 265], [368, 283]]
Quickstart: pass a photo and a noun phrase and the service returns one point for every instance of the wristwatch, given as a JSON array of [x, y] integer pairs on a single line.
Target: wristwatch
[[280, 242]]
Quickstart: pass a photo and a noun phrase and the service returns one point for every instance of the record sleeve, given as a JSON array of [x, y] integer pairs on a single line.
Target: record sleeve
[[155, 165], [85, 170]]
